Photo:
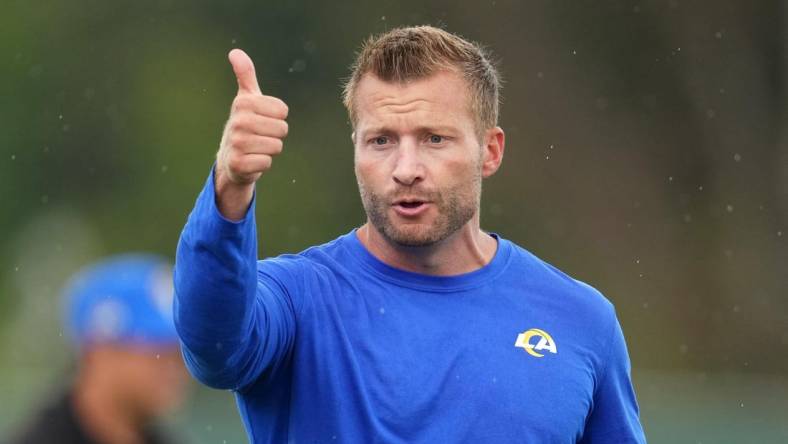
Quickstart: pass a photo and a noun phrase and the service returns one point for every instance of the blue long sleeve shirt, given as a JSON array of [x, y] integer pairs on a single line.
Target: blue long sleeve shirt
[[333, 345]]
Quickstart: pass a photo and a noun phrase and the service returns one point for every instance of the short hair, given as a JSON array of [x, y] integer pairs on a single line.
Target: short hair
[[404, 54]]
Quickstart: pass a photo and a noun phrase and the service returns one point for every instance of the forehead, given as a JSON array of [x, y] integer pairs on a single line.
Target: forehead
[[441, 97]]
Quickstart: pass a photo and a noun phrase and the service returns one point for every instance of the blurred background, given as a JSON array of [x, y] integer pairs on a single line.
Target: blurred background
[[647, 154]]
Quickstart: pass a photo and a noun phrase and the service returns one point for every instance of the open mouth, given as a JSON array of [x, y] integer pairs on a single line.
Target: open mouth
[[411, 204], [410, 207]]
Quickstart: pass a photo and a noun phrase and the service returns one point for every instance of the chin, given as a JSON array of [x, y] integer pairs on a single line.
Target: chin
[[413, 235]]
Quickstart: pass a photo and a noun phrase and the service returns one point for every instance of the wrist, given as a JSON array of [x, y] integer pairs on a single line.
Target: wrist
[[232, 198]]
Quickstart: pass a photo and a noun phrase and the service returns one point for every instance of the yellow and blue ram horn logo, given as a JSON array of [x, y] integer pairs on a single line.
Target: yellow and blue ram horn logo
[[527, 342]]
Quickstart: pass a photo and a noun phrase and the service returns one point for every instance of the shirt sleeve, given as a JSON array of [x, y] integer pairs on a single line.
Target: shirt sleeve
[[614, 416], [234, 321]]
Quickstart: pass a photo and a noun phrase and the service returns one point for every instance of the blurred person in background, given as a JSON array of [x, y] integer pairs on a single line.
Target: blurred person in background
[[118, 313]]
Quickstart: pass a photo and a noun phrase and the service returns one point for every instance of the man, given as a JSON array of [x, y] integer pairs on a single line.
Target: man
[[129, 371], [417, 327]]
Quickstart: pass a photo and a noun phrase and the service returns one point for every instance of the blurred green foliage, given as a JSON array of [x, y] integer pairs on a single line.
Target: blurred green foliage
[[647, 150]]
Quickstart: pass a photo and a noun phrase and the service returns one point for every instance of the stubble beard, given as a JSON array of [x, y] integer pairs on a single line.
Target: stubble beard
[[455, 207]]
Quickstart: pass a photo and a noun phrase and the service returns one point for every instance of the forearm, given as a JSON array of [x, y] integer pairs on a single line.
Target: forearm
[[215, 285], [217, 307]]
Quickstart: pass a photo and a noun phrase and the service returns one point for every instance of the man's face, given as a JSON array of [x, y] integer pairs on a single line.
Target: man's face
[[418, 160], [150, 381]]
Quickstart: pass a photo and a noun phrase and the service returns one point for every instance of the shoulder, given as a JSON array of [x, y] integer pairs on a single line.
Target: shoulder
[[54, 423], [313, 260], [547, 279]]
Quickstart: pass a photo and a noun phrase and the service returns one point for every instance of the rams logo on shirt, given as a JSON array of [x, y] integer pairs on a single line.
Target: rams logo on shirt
[[535, 340]]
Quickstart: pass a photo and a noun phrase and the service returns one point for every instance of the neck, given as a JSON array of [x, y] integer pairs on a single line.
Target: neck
[[102, 413], [466, 250]]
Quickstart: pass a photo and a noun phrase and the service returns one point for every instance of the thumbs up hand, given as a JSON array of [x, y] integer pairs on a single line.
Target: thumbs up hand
[[252, 137]]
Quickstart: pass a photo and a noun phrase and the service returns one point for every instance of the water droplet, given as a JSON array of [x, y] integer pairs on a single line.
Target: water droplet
[[299, 65], [546, 157], [718, 35], [670, 178], [164, 168], [383, 18], [700, 188], [158, 356], [60, 117], [779, 233], [729, 208], [293, 181], [382, 310], [574, 52], [540, 74], [737, 157], [13, 156]]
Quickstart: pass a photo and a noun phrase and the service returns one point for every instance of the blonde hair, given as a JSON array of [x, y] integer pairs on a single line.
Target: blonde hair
[[412, 53]]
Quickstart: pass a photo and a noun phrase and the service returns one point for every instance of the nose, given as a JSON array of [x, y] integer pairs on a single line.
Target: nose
[[409, 168]]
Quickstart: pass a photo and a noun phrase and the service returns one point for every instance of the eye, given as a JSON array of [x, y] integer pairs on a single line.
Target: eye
[[380, 140], [436, 139]]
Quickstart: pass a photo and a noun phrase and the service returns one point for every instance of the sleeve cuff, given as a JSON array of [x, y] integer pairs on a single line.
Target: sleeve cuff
[[210, 215]]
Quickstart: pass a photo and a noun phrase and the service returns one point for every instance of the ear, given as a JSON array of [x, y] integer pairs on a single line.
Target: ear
[[494, 141]]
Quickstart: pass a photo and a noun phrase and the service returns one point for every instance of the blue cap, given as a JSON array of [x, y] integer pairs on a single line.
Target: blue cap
[[125, 299]]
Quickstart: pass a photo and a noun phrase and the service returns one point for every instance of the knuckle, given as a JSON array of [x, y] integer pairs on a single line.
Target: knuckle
[[285, 128], [236, 139], [283, 108], [246, 168], [233, 126], [234, 162], [275, 107], [277, 145], [240, 103]]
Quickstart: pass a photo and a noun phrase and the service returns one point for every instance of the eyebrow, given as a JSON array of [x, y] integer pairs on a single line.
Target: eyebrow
[[439, 129]]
